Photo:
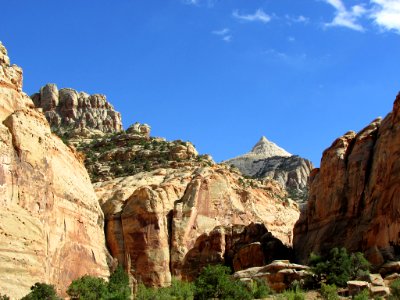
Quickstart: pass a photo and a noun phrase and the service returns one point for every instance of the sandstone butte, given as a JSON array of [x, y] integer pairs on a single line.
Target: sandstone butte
[[354, 198], [51, 224]]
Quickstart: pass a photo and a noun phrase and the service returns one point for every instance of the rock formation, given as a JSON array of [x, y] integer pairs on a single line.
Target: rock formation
[[354, 198], [279, 274], [267, 160], [77, 113], [51, 225], [170, 222]]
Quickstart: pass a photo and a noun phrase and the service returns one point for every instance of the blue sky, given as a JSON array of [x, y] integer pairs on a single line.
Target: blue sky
[[218, 73]]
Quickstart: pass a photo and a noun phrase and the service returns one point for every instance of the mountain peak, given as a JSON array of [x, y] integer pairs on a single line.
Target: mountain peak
[[267, 148]]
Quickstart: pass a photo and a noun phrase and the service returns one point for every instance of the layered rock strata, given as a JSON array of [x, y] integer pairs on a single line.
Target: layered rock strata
[[279, 275], [51, 225], [170, 222], [354, 198], [267, 160], [77, 113]]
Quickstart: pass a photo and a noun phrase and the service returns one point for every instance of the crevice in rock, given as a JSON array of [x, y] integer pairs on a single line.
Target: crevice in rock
[[368, 171], [170, 216]]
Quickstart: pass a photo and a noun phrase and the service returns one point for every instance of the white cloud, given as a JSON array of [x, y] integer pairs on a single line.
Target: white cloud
[[297, 19], [223, 31], [345, 17], [227, 38], [224, 34], [291, 39], [191, 2], [258, 16], [386, 14]]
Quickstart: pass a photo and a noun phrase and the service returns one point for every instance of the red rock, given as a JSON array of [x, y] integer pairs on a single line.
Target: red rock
[[354, 196]]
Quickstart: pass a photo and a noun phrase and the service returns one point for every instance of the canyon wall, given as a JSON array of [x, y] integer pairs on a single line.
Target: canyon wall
[[51, 225], [354, 198]]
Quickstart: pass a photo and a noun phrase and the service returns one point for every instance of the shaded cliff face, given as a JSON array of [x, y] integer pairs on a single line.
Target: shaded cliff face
[[267, 160], [354, 197], [51, 225], [161, 221], [77, 113]]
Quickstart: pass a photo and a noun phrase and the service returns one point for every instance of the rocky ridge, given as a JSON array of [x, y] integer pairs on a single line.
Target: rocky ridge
[[267, 160], [77, 113], [51, 225], [354, 195], [172, 222]]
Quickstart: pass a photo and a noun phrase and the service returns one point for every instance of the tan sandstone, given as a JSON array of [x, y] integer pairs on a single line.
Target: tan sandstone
[[51, 225]]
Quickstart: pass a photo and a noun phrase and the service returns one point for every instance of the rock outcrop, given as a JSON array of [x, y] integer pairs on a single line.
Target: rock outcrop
[[133, 151], [267, 160], [51, 224], [171, 222], [77, 113], [354, 198], [279, 275]]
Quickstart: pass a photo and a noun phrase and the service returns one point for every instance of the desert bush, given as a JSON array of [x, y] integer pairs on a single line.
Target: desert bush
[[118, 285], [395, 289], [329, 292], [215, 282], [88, 288], [4, 297], [293, 294], [259, 289], [338, 266], [363, 295], [42, 291], [179, 290]]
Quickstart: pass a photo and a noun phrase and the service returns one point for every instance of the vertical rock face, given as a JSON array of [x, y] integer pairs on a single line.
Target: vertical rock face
[[51, 225], [77, 113], [267, 160], [161, 221], [354, 197]]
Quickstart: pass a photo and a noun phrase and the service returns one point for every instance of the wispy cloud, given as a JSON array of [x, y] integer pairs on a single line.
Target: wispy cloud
[[227, 38], [344, 17], [200, 3], [386, 14], [258, 16], [224, 33], [190, 2], [297, 19]]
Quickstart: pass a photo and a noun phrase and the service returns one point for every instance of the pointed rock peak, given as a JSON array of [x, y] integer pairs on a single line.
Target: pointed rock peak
[[267, 148]]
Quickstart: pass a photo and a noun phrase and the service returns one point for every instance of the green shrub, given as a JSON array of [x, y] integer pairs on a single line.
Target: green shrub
[[339, 267], [42, 291], [88, 288], [4, 297], [363, 295], [293, 294], [329, 292], [259, 289], [215, 282], [395, 289], [179, 290], [118, 285]]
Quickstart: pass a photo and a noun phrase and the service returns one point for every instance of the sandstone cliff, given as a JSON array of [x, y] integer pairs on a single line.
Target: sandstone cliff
[[77, 113], [267, 160], [354, 197], [172, 222], [51, 225]]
